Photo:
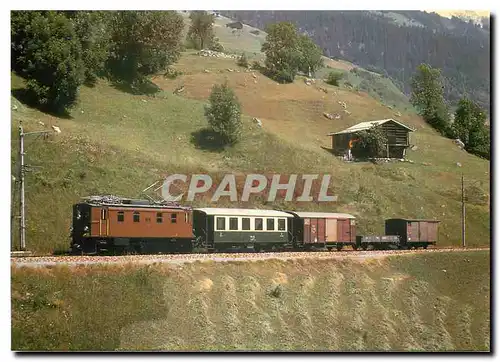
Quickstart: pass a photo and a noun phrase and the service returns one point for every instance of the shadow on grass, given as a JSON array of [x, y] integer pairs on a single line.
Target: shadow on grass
[[207, 139], [136, 88], [29, 99]]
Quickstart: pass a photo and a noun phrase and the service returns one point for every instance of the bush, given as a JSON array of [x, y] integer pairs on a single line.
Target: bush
[[256, 65], [224, 114], [334, 78], [51, 59], [216, 46], [171, 73], [285, 75], [370, 143], [243, 61]]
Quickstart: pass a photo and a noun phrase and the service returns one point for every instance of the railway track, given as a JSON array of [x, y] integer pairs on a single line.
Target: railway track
[[37, 261]]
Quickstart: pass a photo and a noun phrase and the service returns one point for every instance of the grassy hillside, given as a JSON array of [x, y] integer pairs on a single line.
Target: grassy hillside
[[119, 143], [431, 302]]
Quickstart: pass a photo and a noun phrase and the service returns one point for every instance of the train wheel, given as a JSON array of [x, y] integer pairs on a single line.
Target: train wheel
[[364, 247], [425, 246], [339, 247]]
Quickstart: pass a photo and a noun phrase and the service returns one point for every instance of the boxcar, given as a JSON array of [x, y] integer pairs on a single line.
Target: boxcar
[[324, 229], [413, 232], [221, 228], [135, 226]]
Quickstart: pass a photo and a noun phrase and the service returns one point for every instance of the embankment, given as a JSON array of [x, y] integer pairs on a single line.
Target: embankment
[[426, 302]]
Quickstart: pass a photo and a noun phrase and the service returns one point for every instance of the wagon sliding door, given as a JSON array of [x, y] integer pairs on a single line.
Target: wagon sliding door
[[424, 235], [331, 230], [344, 230]]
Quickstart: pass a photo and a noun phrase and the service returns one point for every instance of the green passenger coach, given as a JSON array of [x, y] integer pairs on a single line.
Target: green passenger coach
[[221, 228]]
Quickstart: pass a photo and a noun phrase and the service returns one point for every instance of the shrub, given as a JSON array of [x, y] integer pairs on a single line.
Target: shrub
[[370, 143], [334, 78], [243, 61], [224, 114], [171, 73]]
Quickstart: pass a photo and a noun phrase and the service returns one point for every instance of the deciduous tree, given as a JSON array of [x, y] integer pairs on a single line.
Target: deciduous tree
[[144, 42], [469, 127], [201, 30], [428, 97]]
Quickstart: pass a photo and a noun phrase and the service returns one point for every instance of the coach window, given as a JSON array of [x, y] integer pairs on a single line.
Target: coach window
[[121, 216], [281, 224], [233, 223], [221, 223], [258, 223], [136, 216], [173, 218], [104, 213], [245, 223], [270, 224], [159, 217]]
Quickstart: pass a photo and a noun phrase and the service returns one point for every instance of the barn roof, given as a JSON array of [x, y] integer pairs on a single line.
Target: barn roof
[[367, 125], [242, 212]]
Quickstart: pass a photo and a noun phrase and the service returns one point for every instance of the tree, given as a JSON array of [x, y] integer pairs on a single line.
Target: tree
[[428, 97], [144, 42], [283, 53], [93, 31], [49, 55], [370, 143], [224, 114], [312, 54], [201, 30], [469, 127]]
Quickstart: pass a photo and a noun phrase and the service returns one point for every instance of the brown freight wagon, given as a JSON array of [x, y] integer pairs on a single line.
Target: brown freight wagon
[[324, 229], [413, 232], [138, 226]]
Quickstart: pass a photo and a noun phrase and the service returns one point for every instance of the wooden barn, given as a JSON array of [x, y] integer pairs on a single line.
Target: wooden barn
[[398, 136]]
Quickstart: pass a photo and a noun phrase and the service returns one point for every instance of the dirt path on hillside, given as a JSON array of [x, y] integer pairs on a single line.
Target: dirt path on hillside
[[218, 257]]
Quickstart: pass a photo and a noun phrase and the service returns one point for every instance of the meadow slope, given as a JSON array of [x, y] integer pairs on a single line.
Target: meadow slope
[[426, 302], [117, 142]]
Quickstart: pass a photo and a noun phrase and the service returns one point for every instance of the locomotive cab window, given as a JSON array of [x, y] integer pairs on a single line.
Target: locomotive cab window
[[270, 224], [233, 223], [159, 217], [245, 223], [281, 224], [173, 218], [221, 223], [258, 224], [137, 217], [121, 216], [104, 214]]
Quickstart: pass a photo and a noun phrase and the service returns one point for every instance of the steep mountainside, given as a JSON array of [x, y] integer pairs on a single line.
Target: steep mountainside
[[397, 42]]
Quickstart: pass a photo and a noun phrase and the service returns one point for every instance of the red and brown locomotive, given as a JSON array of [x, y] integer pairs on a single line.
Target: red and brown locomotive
[[131, 226]]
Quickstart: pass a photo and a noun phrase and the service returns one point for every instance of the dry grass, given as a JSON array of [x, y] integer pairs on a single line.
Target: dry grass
[[420, 302]]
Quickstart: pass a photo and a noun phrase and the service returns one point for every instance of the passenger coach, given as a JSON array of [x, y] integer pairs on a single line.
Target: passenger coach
[[221, 228]]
